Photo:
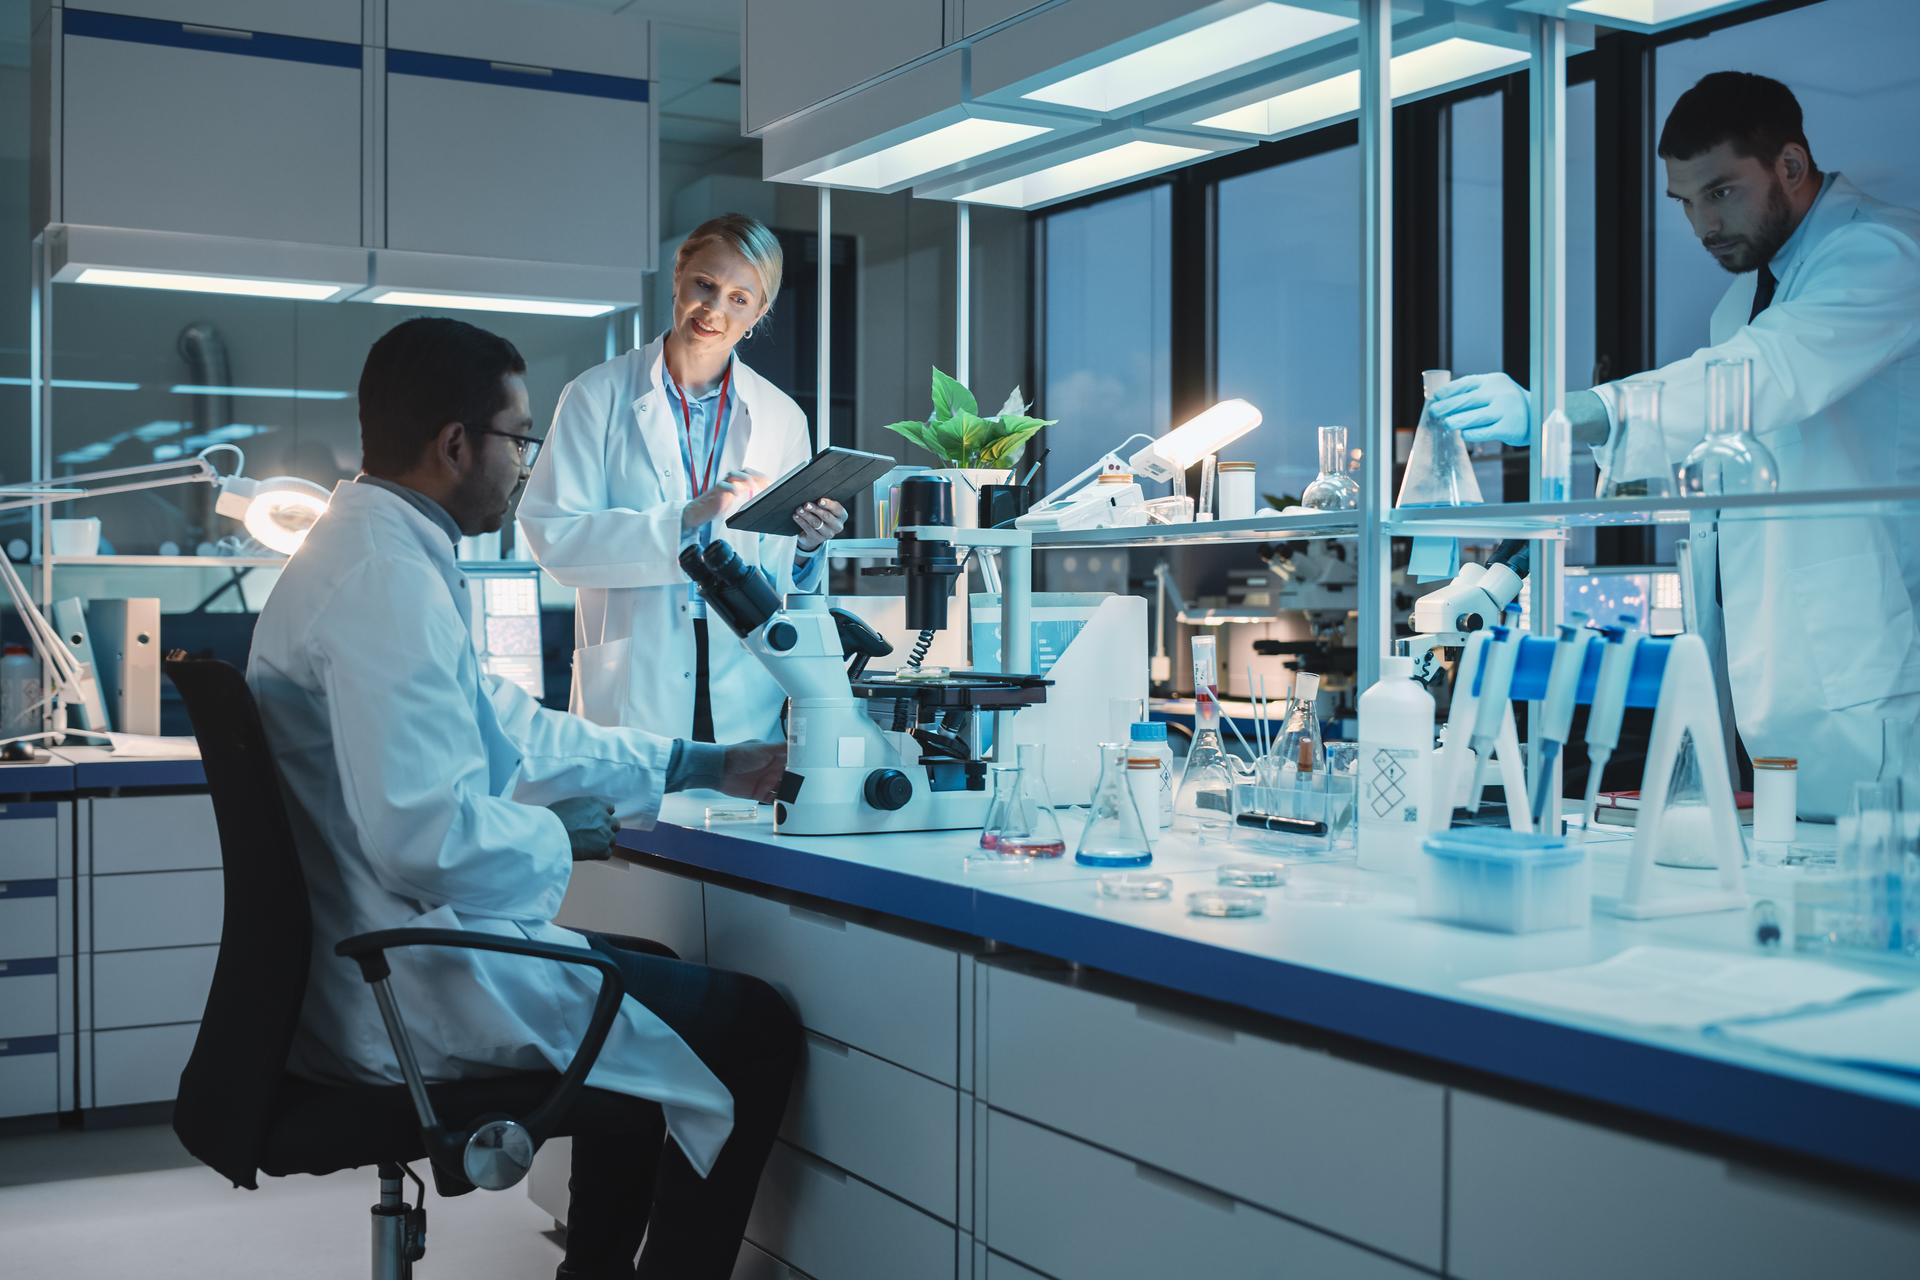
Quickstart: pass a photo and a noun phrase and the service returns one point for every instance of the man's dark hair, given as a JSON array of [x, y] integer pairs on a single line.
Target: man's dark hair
[[1757, 115], [420, 376]]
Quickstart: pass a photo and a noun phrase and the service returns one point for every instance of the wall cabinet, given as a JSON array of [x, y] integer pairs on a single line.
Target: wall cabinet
[[797, 55]]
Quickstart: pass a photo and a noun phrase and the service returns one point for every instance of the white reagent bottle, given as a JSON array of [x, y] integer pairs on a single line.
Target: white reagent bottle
[[1396, 769]]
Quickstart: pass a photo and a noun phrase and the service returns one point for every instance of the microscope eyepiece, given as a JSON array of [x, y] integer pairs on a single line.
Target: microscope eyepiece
[[732, 588]]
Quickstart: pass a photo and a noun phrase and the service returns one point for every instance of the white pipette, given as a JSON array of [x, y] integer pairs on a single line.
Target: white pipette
[[1491, 711], [1556, 711], [1609, 703]]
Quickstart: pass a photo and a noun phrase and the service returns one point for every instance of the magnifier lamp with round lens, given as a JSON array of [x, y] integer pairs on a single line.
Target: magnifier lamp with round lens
[[278, 511]]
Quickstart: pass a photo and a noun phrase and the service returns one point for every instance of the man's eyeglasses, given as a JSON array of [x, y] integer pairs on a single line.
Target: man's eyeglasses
[[526, 448]]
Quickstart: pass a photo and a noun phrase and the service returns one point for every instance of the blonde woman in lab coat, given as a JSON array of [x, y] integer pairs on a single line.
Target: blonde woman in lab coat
[[648, 454]]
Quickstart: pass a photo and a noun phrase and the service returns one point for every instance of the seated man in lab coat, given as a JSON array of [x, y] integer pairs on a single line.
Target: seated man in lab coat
[[423, 792]]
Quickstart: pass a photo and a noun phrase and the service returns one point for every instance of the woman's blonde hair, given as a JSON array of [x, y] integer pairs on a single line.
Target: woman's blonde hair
[[747, 237]]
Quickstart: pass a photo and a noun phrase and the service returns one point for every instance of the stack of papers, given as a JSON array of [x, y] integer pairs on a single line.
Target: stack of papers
[[1675, 987], [1883, 1034]]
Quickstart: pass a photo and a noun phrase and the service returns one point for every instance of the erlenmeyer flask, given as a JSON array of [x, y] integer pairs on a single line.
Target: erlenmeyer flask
[[1637, 467], [1686, 824], [1205, 794], [1021, 822], [1114, 835], [1333, 489], [1731, 459], [1298, 762], [1439, 472]]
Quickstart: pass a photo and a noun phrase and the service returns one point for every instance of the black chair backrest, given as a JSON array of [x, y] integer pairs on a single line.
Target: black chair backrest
[[225, 1107]]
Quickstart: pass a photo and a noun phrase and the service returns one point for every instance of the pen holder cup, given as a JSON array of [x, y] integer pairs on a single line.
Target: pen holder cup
[[1000, 504]]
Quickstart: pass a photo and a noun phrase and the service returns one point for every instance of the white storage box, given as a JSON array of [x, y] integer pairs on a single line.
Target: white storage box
[[1492, 878]]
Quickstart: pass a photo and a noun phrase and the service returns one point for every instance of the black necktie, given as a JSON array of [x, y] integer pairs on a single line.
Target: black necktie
[[1763, 289]]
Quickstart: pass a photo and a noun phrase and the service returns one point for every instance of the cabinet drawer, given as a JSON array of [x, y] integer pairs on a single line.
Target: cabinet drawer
[[883, 1123], [1527, 1185], [153, 833], [29, 840], [1074, 1211], [29, 997], [571, 36], [29, 919], [142, 1064], [1350, 1148], [141, 988], [895, 997], [820, 1220], [315, 19], [285, 126], [618, 896], [29, 1076], [166, 909]]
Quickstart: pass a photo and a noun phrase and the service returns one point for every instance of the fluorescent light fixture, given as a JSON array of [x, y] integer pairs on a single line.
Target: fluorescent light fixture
[[1171, 64], [278, 511], [74, 384], [1207, 432], [1117, 163], [243, 285], [903, 162], [477, 302], [1648, 13], [271, 393], [1454, 60]]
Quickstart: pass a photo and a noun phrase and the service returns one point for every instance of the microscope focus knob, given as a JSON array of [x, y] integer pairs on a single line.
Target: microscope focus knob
[[782, 636], [888, 789]]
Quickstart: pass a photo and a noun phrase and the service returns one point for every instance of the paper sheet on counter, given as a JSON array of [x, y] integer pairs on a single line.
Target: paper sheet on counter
[[1884, 1034], [1676, 987]]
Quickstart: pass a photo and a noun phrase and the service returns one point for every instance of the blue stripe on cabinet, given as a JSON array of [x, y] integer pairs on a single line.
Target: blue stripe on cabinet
[[29, 968], [12, 889], [21, 1046], [186, 35], [440, 66], [27, 809]]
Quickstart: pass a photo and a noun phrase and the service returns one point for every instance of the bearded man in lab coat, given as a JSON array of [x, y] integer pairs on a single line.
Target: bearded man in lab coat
[[1820, 632], [424, 792]]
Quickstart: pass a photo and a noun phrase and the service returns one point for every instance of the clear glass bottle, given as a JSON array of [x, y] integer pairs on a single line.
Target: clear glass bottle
[[1333, 489], [1637, 467], [1114, 835], [1731, 459], [1021, 822], [1205, 795], [1439, 472]]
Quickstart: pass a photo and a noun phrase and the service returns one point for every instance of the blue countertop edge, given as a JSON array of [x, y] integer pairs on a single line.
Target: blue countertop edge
[[25, 778], [1769, 1108]]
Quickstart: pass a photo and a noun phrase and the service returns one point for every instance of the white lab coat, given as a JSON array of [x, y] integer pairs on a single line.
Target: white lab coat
[[415, 785], [602, 514], [1820, 613]]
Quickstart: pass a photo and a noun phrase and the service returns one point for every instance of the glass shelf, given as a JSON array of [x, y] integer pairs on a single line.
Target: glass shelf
[[1554, 519], [1298, 528], [167, 562]]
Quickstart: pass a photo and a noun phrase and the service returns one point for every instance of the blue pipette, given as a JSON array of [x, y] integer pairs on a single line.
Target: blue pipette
[[1556, 711], [1496, 681], [1609, 703]]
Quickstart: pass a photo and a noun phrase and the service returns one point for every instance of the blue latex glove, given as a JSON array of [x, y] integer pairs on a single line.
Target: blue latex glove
[[1485, 406]]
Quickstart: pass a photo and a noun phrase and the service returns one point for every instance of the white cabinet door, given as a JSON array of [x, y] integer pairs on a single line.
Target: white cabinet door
[[578, 37], [29, 1076], [623, 897], [316, 19], [800, 54], [823, 1222], [521, 162], [29, 840], [140, 1065], [170, 127], [977, 15], [153, 833]]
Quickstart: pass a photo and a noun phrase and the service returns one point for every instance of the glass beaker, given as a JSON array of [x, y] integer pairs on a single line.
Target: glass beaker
[[1686, 823], [1205, 793], [1333, 489], [1731, 459], [1439, 472], [1021, 822], [1871, 860], [1637, 467], [1115, 835]]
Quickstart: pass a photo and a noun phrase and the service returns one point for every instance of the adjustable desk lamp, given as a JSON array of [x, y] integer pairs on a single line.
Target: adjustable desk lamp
[[1078, 505]]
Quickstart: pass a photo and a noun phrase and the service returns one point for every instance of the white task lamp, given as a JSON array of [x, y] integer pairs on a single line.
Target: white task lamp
[[277, 511], [1114, 498]]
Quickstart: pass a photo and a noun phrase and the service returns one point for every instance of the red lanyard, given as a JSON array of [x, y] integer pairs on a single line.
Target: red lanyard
[[720, 416]]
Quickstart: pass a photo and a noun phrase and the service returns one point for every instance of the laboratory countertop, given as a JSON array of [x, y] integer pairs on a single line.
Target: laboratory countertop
[[1341, 949], [97, 769]]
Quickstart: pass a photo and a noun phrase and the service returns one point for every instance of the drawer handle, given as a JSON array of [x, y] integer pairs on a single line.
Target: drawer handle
[[1186, 1022], [831, 1046], [1182, 1186], [818, 917], [521, 68], [228, 33]]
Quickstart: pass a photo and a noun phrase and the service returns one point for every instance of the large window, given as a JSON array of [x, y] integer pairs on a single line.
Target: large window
[[1288, 336], [1474, 243], [1106, 359]]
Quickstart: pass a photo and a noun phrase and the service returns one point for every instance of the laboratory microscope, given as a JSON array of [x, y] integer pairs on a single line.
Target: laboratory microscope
[[1475, 599], [888, 751]]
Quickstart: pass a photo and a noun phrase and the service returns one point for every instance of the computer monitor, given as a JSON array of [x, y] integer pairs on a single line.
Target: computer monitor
[[1652, 592], [506, 623]]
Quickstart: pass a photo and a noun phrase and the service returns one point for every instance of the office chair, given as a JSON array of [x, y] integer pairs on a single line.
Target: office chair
[[238, 1109]]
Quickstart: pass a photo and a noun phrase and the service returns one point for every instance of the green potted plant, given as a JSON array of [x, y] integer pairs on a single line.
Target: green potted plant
[[973, 450]]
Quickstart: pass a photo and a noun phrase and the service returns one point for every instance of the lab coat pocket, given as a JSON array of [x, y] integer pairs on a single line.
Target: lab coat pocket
[[1879, 655], [602, 679]]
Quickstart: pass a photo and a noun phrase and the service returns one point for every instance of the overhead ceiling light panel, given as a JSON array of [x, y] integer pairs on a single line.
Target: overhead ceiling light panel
[[1651, 15], [900, 164], [1115, 164], [1218, 47], [1452, 61], [1295, 109], [477, 302], [242, 285]]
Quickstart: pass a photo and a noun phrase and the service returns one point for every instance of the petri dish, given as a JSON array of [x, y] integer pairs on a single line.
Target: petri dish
[[1253, 875], [1135, 886], [744, 811], [1226, 904]]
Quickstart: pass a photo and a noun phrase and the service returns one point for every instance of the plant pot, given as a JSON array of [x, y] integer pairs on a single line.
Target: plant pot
[[966, 482]]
